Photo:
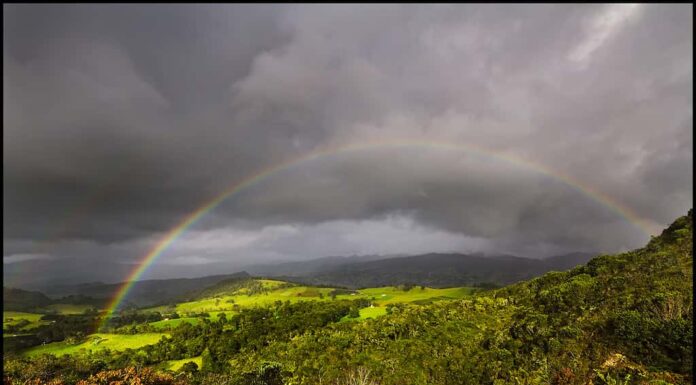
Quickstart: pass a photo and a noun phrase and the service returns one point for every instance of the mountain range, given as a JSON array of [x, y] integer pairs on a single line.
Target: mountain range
[[434, 270]]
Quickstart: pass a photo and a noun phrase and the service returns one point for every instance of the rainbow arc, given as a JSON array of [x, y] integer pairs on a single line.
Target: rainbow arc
[[189, 220]]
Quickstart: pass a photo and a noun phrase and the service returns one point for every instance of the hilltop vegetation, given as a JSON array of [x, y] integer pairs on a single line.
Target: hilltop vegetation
[[626, 317], [619, 319], [96, 342], [230, 297], [15, 322]]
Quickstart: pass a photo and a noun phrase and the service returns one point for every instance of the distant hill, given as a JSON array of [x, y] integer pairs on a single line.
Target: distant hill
[[149, 292], [434, 270], [47, 274], [619, 319], [228, 285], [22, 300], [299, 268]]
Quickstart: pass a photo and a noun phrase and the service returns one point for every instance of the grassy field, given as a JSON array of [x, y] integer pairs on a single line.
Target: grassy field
[[384, 296], [66, 308], [270, 283], [380, 296], [172, 323], [175, 365], [229, 303], [97, 342], [390, 294], [226, 303], [367, 312], [214, 314], [13, 317], [372, 312]]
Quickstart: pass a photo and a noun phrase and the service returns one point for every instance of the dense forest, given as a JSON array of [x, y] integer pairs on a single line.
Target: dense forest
[[619, 319]]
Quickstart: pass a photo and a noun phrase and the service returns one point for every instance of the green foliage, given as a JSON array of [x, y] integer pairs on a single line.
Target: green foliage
[[608, 379], [268, 373], [46, 367], [13, 322], [621, 319], [189, 367], [243, 285], [211, 363], [354, 312], [96, 342]]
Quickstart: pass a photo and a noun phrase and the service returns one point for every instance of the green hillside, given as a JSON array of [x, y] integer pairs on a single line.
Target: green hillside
[[230, 297], [22, 300], [172, 323], [13, 321], [627, 318], [68, 308], [619, 319], [96, 342]]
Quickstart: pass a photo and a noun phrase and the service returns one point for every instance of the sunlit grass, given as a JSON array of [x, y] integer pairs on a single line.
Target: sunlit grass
[[172, 323], [67, 308], [95, 342], [379, 296], [176, 365], [391, 294], [10, 318]]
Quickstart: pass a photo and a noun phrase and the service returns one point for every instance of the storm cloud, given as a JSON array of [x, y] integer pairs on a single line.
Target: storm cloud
[[120, 120]]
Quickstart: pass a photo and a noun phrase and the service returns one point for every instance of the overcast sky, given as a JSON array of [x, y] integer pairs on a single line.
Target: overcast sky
[[119, 120]]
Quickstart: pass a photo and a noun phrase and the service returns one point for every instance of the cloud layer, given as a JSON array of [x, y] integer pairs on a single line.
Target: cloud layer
[[122, 119]]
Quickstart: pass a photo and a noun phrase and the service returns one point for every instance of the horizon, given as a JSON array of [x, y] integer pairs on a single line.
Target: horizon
[[243, 269]]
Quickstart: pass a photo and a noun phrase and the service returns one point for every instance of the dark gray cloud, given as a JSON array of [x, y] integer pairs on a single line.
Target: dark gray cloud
[[121, 119]]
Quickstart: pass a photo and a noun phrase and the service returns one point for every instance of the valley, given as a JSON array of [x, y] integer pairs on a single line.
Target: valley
[[225, 299], [617, 317]]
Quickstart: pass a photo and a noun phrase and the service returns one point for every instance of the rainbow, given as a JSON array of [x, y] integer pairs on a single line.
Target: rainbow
[[173, 234]]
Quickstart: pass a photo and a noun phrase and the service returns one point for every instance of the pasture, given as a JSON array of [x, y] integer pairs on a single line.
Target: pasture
[[231, 302], [172, 323], [392, 295], [372, 312], [176, 365], [96, 342], [226, 303], [68, 308], [10, 318]]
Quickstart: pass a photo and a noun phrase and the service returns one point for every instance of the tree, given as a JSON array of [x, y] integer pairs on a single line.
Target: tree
[[268, 373], [207, 361], [190, 367], [210, 363]]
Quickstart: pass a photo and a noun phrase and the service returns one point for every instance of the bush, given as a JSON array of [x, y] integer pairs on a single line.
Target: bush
[[189, 367], [130, 376]]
